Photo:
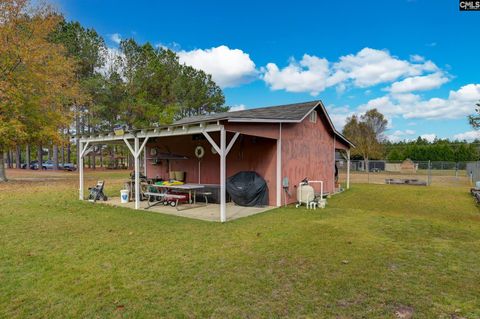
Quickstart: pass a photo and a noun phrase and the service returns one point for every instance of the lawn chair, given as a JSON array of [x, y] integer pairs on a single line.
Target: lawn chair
[[96, 193]]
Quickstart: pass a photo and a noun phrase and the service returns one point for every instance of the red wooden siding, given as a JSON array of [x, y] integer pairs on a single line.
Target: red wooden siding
[[308, 150], [248, 153]]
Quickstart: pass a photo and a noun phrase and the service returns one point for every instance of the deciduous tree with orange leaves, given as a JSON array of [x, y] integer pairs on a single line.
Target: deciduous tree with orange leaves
[[37, 79]]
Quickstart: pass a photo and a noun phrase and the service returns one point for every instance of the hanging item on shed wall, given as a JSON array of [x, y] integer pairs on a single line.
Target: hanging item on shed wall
[[199, 152]]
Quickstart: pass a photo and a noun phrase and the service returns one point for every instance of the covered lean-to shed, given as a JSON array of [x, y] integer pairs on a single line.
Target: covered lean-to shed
[[293, 142]]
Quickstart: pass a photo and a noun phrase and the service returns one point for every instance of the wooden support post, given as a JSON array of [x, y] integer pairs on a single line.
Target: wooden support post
[[230, 144], [223, 180], [136, 152], [334, 163], [82, 149], [137, 172], [145, 161], [348, 169], [80, 168], [279, 166], [222, 152]]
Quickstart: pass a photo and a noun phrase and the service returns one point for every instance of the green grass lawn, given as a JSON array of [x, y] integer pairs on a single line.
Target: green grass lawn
[[374, 250]]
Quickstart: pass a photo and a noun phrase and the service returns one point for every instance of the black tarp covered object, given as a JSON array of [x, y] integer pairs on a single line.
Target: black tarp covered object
[[248, 189]]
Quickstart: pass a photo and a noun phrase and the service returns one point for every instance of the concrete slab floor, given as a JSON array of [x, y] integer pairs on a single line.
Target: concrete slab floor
[[211, 212]]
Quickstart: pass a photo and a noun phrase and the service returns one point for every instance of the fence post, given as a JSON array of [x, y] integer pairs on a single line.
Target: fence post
[[429, 173]]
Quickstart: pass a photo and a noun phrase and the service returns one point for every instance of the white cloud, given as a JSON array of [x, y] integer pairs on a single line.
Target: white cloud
[[340, 88], [366, 68], [417, 58], [429, 137], [406, 98], [469, 136], [370, 67], [394, 138], [116, 38], [383, 104], [308, 75], [228, 67], [419, 83], [399, 135], [239, 107], [458, 104], [174, 46]]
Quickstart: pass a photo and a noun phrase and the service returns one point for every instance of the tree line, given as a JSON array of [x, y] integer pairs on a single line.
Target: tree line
[[58, 79], [367, 132], [437, 150]]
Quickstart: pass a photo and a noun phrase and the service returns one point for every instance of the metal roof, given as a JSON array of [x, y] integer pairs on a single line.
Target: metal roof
[[280, 113], [288, 113]]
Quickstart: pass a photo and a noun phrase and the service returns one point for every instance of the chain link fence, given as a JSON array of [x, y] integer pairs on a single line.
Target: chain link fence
[[410, 172]]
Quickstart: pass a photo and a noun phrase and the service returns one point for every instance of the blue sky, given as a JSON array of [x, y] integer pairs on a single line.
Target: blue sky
[[417, 61]]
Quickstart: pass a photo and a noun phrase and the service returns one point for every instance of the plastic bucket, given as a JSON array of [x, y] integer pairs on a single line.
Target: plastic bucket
[[124, 196]]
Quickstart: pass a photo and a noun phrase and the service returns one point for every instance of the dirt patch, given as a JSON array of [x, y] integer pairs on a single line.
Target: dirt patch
[[404, 312]]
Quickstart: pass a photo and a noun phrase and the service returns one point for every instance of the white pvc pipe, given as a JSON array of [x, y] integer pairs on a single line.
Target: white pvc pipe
[[321, 187], [199, 171]]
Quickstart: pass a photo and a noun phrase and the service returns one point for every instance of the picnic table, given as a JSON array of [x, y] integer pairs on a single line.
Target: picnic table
[[163, 195]]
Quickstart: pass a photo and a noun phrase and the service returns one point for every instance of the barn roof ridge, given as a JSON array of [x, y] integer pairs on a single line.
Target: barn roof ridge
[[284, 112]]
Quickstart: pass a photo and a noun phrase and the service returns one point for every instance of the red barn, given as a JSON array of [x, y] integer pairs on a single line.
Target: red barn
[[286, 142]]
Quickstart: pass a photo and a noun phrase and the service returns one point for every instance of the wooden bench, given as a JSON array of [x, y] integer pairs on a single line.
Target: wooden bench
[[205, 195]]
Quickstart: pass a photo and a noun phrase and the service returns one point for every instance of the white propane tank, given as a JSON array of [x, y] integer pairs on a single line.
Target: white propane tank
[[305, 193]]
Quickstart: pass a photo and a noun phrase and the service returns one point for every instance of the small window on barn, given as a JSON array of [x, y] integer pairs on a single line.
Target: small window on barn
[[313, 117]]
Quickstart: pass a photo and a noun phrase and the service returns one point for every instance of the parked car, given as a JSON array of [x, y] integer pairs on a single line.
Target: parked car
[[33, 165], [68, 167], [48, 165], [51, 164]]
